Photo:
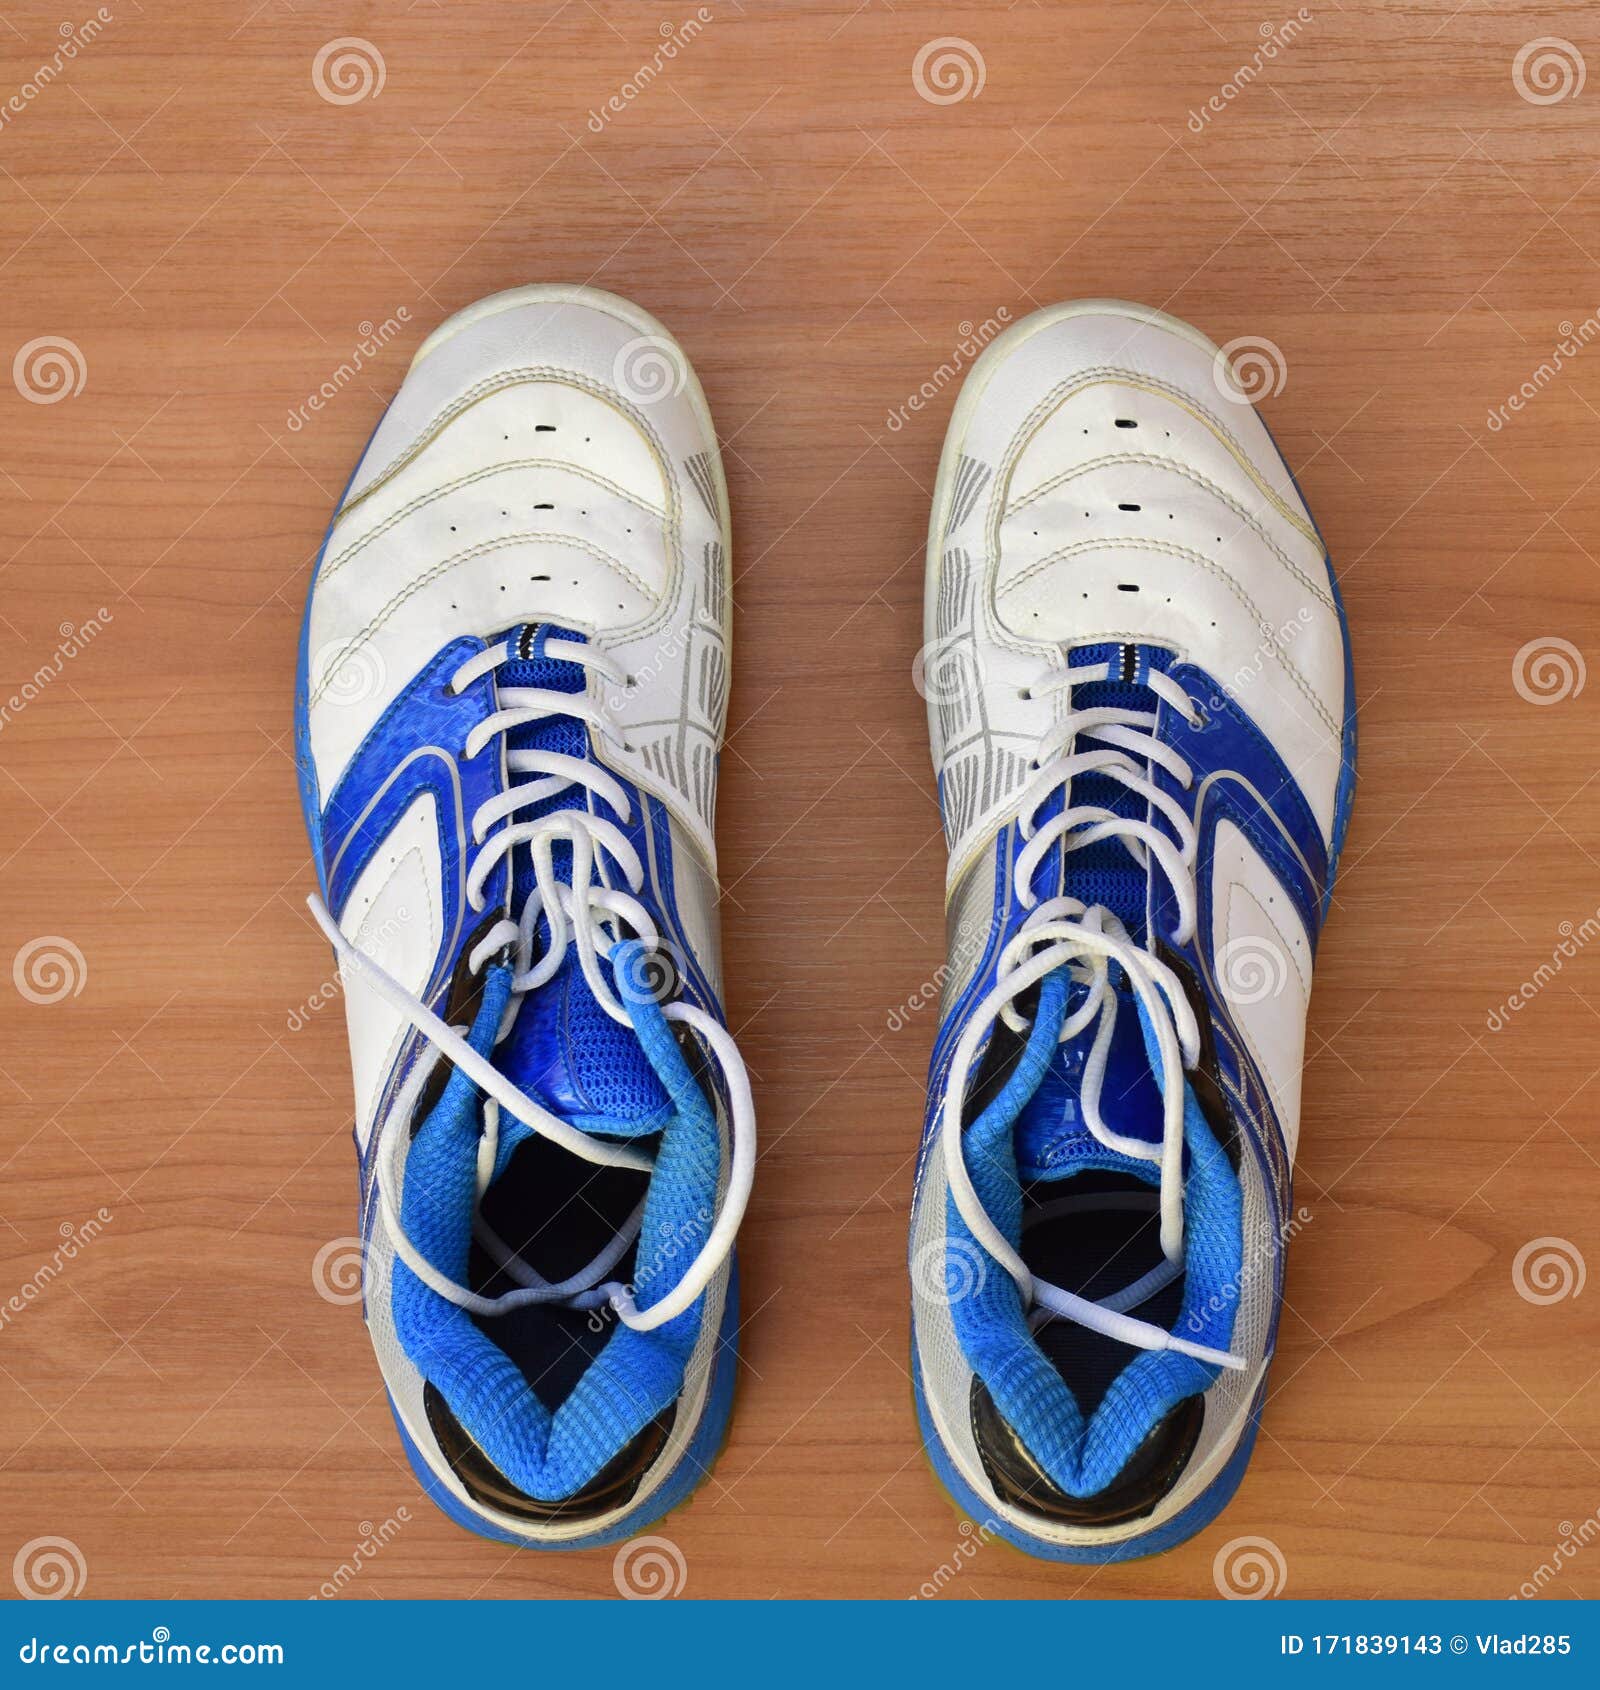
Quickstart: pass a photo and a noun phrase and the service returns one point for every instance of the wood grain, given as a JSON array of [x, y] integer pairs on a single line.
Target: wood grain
[[211, 235]]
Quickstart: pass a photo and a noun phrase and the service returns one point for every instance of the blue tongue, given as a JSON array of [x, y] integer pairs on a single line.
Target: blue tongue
[[1052, 1141], [1051, 1137], [563, 1049]]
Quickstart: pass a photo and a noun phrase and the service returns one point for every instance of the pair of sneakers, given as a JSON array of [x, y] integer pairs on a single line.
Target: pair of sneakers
[[512, 691]]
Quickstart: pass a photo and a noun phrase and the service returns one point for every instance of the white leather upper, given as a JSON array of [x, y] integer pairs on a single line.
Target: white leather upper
[[394, 914], [547, 459], [1261, 957], [1072, 417]]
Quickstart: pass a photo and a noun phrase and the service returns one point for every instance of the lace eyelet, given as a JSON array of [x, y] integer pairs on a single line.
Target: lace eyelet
[[1198, 721]]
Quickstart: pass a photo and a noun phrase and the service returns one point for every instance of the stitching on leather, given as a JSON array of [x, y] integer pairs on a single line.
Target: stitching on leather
[[1202, 561], [1273, 1088], [1266, 916], [434, 925], [1267, 844], [518, 376], [1263, 839], [1196, 407], [334, 564], [1150, 460], [429, 576]]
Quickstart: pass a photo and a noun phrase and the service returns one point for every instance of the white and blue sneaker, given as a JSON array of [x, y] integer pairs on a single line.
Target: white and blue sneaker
[[511, 699], [1140, 701]]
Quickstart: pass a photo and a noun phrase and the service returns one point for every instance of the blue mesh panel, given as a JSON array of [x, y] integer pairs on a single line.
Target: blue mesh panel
[[606, 1062], [1105, 872]]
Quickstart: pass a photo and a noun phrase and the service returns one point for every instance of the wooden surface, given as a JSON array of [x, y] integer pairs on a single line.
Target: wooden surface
[[1381, 204]]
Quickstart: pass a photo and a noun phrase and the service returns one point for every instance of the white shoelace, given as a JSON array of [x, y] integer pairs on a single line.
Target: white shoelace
[[577, 914], [1091, 938]]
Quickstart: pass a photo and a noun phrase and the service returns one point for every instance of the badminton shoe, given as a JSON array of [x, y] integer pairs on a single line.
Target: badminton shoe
[[1139, 695], [511, 699]]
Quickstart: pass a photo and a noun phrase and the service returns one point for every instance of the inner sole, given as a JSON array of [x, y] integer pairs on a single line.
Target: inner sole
[[1093, 1234], [557, 1212]]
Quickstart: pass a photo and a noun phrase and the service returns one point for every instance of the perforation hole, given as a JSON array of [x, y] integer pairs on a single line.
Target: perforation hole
[[1130, 507], [1126, 422], [544, 428]]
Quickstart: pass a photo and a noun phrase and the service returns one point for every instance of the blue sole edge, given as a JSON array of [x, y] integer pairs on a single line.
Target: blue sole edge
[[1179, 1529]]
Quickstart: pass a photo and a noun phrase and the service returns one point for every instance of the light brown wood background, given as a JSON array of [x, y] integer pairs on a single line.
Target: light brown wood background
[[210, 235]]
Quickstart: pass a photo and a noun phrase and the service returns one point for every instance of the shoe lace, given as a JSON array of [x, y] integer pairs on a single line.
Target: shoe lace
[[584, 911], [1089, 939]]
